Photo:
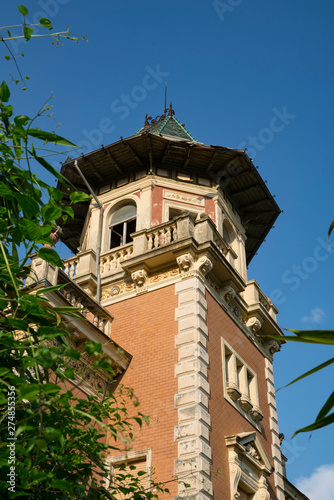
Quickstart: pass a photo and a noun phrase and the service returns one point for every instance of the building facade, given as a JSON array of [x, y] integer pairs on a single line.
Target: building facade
[[164, 247]]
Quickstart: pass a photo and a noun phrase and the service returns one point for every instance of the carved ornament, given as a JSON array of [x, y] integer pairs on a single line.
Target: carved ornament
[[204, 265], [185, 262], [139, 278], [254, 324]]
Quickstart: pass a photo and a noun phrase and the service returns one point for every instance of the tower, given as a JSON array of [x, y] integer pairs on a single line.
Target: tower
[[165, 245]]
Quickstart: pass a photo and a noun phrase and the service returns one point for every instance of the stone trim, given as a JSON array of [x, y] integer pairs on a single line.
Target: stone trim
[[192, 400], [113, 460], [273, 423], [238, 391]]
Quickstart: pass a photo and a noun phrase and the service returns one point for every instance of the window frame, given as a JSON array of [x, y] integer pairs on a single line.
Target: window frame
[[115, 460], [242, 395], [125, 222]]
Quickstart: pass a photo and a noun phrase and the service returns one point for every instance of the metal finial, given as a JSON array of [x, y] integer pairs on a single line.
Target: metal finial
[[146, 121], [171, 112], [165, 96]]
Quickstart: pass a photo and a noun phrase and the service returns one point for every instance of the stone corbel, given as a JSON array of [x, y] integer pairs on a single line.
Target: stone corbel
[[254, 324], [235, 475], [228, 293], [262, 493], [273, 346], [186, 264], [270, 345], [256, 414], [140, 280], [204, 265]]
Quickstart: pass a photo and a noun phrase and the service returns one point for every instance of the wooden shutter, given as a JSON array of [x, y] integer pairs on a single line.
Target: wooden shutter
[[140, 464]]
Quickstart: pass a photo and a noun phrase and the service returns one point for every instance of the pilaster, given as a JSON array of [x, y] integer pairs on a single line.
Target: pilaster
[[192, 400], [273, 422]]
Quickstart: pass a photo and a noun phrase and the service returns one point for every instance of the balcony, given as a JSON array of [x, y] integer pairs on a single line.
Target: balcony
[[45, 274], [193, 246]]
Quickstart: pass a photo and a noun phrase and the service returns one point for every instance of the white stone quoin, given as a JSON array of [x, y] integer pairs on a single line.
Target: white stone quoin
[[192, 399]]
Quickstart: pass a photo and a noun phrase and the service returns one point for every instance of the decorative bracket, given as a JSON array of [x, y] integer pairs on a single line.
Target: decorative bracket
[[204, 265], [140, 280], [186, 264], [254, 324]]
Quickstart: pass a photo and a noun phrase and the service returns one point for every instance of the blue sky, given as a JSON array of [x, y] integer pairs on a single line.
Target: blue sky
[[231, 67]]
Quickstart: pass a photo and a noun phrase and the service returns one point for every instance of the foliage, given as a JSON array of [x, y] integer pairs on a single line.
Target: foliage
[[60, 440], [322, 337]]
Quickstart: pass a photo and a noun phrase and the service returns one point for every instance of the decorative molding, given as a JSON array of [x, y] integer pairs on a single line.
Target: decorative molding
[[126, 285], [192, 400], [193, 200], [249, 465]]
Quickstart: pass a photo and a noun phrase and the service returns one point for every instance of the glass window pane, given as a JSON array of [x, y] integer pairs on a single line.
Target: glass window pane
[[123, 213]]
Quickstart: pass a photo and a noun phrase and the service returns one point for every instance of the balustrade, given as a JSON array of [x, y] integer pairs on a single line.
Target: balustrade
[[113, 259], [71, 266], [157, 237]]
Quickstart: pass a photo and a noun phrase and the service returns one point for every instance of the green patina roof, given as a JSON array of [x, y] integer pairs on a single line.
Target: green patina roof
[[166, 125]]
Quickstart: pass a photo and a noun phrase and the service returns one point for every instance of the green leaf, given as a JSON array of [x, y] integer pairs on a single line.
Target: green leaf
[[50, 169], [73, 354], [318, 424], [69, 211], [51, 213], [62, 485], [29, 391], [93, 348], [318, 336], [69, 373], [4, 92], [3, 371], [5, 191], [50, 289], [6, 150], [326, 408], [28, 204], [78, 196], [45, 23], [8, 57], [21, 120], [314, 370], [23, 9], [55, 194], [50, 388], [49, 137], [50, 255], [331, 227], [32, 231], [27, 32]]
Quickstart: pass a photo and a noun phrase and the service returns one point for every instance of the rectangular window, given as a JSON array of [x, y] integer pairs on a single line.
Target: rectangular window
[[130, 469], [240, 385], [129, 473]]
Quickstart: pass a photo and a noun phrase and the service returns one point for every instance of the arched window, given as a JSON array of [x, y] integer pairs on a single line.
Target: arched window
[[121, 224]]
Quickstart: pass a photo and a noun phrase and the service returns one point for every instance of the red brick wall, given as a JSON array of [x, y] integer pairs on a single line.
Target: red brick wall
[[225, 419], [145, 326]]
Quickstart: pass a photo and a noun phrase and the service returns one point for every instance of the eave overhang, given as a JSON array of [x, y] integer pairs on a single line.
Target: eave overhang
[[229, 169]]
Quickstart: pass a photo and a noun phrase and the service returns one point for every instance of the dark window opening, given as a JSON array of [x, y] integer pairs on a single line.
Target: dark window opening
[[122, 224]]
